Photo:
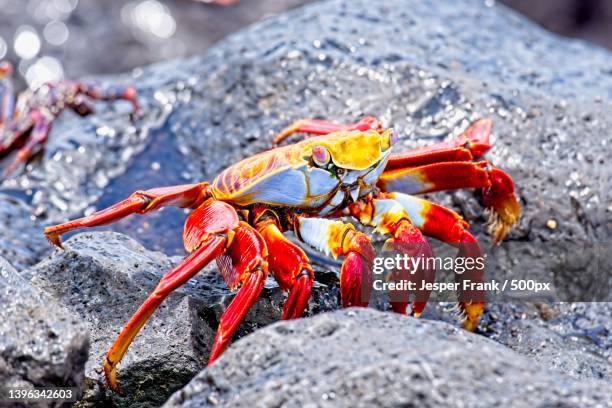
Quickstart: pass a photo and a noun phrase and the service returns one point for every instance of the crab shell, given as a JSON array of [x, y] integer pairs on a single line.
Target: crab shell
[[321, 173]]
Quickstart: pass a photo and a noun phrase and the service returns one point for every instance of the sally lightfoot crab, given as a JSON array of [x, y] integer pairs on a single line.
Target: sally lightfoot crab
[[25, 124], [239, 219]]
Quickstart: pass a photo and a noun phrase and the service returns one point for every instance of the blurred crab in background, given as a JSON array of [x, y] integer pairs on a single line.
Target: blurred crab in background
[[25, 123], [344, 171]]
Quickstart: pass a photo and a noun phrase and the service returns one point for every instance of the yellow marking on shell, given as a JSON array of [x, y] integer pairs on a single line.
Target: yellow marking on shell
[[349, 150], [352, 150]]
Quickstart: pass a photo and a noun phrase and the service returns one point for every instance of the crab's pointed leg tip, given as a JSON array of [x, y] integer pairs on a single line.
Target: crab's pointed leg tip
[[469, 325], [472, 313], [110, 374], [54, 239]]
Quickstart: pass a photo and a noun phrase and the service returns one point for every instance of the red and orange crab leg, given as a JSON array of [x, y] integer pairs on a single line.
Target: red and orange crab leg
[[246, 258], [323, 127], [111, 92], [341, 239], [497, 187], [212, 229], [390, 218], [447, 226], [470, 145], [140, 202], [38, 136], [290, 267]]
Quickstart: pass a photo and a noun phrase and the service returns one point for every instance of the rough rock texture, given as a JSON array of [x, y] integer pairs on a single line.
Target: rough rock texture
[[41, 343], [102, 278], [365, 358]]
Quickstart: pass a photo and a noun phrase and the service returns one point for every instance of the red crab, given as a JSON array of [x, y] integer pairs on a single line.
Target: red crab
[[239, 219], [26, 124]]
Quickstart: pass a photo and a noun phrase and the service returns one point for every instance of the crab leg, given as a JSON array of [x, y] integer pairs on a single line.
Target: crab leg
[[208, 237], [290, 267], [323, 127], [447, 226], [109, 93], [81, 106], [471, 144], [339, 238], [497, 187], [36, 138], [245, 262], [390, 218], [140, 202], [208, 250], [13, 133]]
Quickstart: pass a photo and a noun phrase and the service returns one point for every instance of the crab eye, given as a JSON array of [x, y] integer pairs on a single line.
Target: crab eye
[[320, 155]]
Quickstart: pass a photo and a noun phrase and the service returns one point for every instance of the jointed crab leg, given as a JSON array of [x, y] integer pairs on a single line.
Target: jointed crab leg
[[497, 187], [210, 249], [38, 136], [447, 226], [186, 196], [245, 262], [323, 127], [111, 92], [339, 238], [471, 144], [290, 267], [390, 218]]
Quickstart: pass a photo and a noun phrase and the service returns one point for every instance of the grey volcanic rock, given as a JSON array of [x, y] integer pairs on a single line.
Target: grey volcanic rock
[[102, 278], [365, 358], [41, 343]]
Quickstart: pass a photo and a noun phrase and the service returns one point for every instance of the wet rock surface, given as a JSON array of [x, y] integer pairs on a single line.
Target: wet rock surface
[[41, 343], [425, 71], [102, 278], [364, 358]]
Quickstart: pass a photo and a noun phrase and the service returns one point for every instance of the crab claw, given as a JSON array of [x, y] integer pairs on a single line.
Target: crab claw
[[504, 206]]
